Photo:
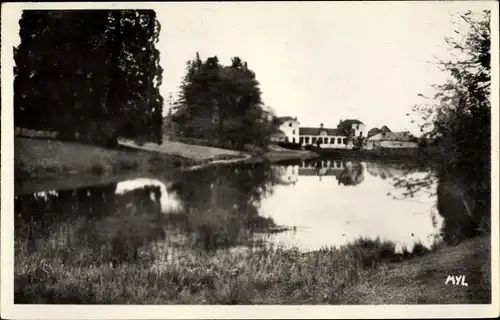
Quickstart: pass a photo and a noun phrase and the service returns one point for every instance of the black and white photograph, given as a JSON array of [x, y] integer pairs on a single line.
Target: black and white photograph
[[275, 157]]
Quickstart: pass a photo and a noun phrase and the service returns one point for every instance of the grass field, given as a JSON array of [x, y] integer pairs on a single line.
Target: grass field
[[40, 163], [365, 272]]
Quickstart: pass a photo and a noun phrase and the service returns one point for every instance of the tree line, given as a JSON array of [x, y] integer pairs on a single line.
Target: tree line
[[223, 104], [459, 124], [89, 75]]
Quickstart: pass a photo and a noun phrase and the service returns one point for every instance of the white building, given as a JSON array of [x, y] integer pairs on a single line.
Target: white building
[[342, 137], [353, 128], [290, 127], [391, 140], [325, 137]]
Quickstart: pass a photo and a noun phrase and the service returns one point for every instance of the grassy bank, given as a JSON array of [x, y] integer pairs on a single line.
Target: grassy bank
[[204, 154], [364, 272], [197, 153], [41, 161], [44, 163]]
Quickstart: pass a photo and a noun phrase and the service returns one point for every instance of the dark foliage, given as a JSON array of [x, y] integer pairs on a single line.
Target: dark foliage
[[89, 75], [458, 127], [223, 104]]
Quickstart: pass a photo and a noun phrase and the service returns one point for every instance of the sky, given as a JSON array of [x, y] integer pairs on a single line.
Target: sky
[[318, 61]]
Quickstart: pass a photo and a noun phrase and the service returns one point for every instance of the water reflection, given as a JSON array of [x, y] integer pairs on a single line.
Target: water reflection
[[325, 213], [94, 223], [222, 204], [169, 201], [309, 204]]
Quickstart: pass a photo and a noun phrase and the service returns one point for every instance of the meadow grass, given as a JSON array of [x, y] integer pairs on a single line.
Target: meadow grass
[[40, 158], [56, 273]]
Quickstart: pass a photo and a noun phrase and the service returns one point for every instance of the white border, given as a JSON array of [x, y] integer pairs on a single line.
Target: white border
[[9, 310]]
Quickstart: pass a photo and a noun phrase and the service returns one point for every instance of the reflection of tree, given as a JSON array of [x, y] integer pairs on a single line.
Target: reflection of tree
[[93, 222], [461, 209], [222, 202], [353, 174], [457, 122], [134, 220], [386, 170], [38, 215]]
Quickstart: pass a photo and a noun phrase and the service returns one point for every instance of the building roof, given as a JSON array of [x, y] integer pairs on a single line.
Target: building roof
[[392, 136], [348, 123], [373, 132], [385, 128], [286, 118], [311, 131]]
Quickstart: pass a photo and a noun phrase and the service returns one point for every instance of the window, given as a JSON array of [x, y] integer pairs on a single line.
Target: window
[[307, 140], [332, 140], [320, 140], [339, 140], [345, 140], [313, 140], [293, 140], [301, 140], [290, 124], [293, 131]]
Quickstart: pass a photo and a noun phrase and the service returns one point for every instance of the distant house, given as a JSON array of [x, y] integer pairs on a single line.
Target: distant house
[[391, 140], [354, 127], [290, 127], [341, 137], [324, 137], [385, 129], [375, 131], [337, 138]]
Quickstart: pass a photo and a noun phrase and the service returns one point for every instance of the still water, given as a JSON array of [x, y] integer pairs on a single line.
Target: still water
[[306, 204]]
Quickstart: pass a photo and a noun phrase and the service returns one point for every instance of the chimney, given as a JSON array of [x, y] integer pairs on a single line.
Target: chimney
[[321, 125]]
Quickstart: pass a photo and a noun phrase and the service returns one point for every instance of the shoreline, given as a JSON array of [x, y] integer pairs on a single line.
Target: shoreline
[[46, 164]]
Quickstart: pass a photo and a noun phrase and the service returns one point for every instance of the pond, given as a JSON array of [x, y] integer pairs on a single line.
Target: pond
[[307, 204]]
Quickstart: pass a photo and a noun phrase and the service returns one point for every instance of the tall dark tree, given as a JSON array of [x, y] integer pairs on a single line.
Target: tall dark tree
[[139, 65], [51, 75], [77, 73], [223, 104]]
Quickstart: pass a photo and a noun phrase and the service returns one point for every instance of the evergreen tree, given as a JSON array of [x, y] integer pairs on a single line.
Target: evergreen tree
[[223, 104], [89, 75]]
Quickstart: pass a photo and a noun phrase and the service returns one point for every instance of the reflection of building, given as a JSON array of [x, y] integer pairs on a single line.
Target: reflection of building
[[289, 174], [352, 175], [321, 168], [346, 172], [385, 170]]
